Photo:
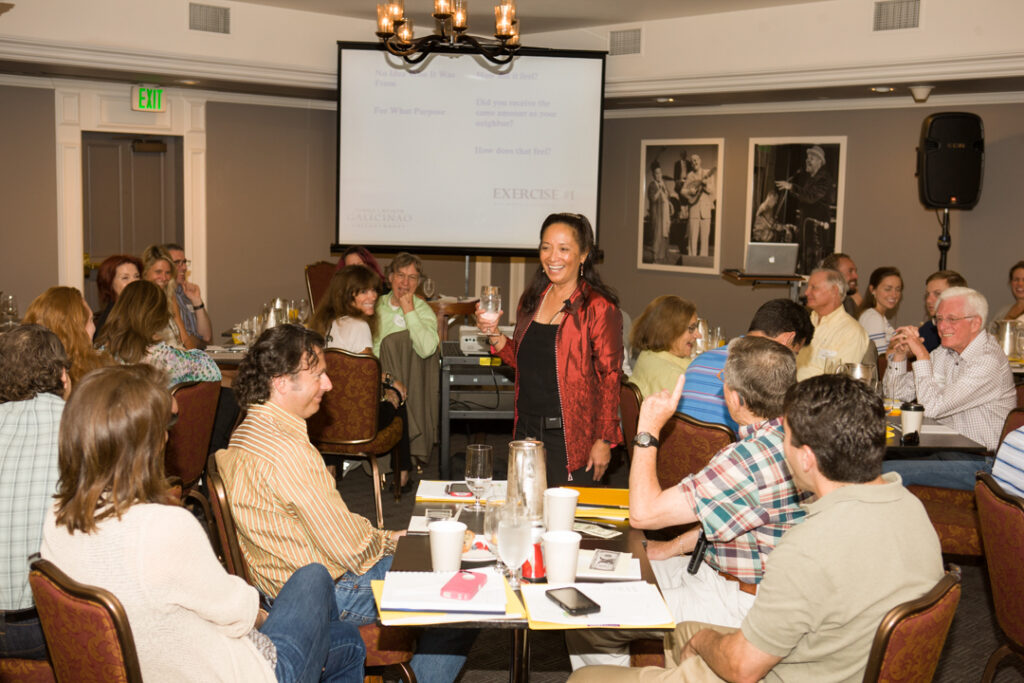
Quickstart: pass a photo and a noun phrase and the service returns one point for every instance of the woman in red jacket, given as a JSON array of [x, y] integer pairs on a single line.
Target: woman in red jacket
[[567, 351]]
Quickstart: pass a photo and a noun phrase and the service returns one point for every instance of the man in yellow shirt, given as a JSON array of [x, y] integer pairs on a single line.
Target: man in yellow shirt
[[837, 336]]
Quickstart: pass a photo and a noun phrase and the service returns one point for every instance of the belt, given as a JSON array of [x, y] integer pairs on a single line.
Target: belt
[[748, 588], [18, 615]]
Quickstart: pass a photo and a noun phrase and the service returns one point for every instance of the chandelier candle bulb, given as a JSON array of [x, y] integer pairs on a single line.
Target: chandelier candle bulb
[[396, 8], [459, 15], [384, 23], [503, 20], [404, 32], [442, 9]]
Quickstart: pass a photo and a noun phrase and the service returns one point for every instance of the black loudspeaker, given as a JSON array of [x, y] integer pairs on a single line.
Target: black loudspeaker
[[950, 160]]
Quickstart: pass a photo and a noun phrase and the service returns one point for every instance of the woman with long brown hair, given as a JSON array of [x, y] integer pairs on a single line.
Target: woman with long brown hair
[[116, 525], [158, 267], [113, 275], [64, 311], [133, 335]]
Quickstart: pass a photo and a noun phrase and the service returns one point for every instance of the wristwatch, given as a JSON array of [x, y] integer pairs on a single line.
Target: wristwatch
[[646, 440]]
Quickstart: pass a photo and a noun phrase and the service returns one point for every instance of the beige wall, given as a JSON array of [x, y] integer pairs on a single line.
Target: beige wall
[[28, 190], [884, 224]]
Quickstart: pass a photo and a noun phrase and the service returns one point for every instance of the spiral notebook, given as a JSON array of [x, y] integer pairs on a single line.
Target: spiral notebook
[[421, 592]]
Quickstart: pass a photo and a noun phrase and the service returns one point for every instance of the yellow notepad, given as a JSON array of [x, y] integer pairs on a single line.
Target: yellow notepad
[[514, 610], [602, 497]]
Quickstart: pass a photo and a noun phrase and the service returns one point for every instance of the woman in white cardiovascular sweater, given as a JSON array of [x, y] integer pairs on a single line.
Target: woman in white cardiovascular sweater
[[116, 526]]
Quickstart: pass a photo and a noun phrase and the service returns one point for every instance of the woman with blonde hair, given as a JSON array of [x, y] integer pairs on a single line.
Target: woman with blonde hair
[[664, 335], [116, 525], [133, 335], [64, 311], [158, 267]]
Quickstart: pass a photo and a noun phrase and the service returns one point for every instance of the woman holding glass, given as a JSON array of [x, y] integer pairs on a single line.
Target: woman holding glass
[[116, 525], [664, 334], [567, 352], [347, 318], [885, 290]]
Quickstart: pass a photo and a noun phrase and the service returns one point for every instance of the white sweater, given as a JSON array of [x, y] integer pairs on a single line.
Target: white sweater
[[189, 617]]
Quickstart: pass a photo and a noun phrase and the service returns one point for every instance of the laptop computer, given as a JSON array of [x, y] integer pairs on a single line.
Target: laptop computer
[[771, 258]]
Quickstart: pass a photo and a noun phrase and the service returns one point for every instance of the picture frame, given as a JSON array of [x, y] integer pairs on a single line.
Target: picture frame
[[795, 191], [679, 228]]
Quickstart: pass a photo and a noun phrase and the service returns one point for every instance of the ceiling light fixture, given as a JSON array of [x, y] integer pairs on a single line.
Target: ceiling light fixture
[[665, 100], [396, 31], [921, 92], [881, 89]]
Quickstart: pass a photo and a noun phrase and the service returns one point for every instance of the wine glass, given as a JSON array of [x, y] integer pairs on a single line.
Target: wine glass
[[8, 310], [514, 538], [492, 514], [429, 287], [479, 471], [490, 304], [303, 309]]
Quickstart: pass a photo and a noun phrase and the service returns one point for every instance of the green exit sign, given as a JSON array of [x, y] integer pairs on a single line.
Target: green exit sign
[[145, 98]]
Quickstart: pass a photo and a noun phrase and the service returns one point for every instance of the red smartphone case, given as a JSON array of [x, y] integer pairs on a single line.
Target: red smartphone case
[[463, 586]]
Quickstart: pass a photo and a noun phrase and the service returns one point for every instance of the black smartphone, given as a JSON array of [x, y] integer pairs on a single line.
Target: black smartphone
[[572, 601]]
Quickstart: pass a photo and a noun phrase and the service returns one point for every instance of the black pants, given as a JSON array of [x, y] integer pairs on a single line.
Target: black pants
[[532, 427], [385, 414]]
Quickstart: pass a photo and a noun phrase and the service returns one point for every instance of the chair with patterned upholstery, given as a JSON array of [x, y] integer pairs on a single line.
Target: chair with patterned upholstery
[[1002, 529], [318, 277], [630, 399], [188, 441], [687, 445], [385, 646], [25, 671], [86, 629], [954, 513], [1020, 395], [909, 640], [345, 426]]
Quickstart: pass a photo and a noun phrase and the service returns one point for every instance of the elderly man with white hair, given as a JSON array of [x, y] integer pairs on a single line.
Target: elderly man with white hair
[[838, 337], [965, 384]]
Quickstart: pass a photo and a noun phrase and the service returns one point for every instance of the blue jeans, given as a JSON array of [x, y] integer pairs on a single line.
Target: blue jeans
[[22, 639], [945, 470], [312, 644], [440, 652]]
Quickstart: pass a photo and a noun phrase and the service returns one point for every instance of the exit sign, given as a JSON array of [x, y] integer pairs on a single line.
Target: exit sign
[[148, 99]]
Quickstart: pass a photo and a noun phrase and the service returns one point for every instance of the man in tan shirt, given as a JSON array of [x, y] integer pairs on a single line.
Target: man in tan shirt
[[838, 338], [285, 504]]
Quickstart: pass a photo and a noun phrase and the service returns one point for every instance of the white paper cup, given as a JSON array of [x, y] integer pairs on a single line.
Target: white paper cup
[[446, 539], [911, 417], [560, 508], [561, 549]]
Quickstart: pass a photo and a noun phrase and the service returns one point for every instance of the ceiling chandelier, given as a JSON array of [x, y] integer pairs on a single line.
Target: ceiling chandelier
[[396, 31]]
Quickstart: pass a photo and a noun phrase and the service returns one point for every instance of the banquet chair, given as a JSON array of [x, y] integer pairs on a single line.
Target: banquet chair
[[188, 441], [86, 629], [687, 445], [1020, 395], [386, 646], [954, 513], [1002, 530], [909, 641], [318, 277], [629, 407], [346, 424], [13, 670]]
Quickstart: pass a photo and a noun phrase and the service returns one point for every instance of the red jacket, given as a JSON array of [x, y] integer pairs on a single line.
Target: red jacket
[[588, 362]]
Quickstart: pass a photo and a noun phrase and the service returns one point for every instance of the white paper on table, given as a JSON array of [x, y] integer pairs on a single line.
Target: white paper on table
[[418, 523], [627, 568], [937, 429], [434, 490], [632, 603], [421, 592]]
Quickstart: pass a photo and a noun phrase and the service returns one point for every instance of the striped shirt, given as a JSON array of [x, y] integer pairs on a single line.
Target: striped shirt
[[745, 500], [1008, 468], [28, 480], [286, 507], [703, 395], [972, 392]]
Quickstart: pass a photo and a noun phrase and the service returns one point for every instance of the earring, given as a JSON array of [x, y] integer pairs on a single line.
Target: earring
[[581, 270]]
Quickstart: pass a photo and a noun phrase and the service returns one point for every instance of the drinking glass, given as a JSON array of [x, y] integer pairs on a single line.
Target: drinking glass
[[303, 308], [515, 538], [429, 287], [8, 310], [490, 304], [479, 471], [492, 515]]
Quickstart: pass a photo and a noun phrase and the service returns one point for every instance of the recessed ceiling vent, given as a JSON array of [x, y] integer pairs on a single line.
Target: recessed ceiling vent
[[209, 18], [625, 42], [892, 15]]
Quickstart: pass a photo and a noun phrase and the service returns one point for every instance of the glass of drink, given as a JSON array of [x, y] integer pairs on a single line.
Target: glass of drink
[[479, 471], [490, 305], [515, 540], [429, 287]]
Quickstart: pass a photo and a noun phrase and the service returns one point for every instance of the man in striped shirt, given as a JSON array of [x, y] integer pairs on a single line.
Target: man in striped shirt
[[744, 500], [286, 505]]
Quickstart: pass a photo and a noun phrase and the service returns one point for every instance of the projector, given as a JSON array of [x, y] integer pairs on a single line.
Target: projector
[[473, 342]]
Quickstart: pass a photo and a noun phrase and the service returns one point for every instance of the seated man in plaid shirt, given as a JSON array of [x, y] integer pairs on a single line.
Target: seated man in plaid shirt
[[744, 500]]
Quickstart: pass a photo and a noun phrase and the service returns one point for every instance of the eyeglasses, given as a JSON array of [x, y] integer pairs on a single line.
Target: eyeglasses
[[693, 328], [183, 262], [952, 320]]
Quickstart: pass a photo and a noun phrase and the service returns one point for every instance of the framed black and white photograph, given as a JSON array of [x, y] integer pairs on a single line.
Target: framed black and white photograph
[[795, 194], [680, 225]]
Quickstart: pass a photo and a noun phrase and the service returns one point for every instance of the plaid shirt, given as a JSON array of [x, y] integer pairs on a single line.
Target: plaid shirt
[[28, 480], [972, 392], [745, 499]]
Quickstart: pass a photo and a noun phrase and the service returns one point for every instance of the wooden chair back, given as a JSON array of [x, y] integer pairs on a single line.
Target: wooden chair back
[[348, 412], [318, 277], [629, 407], [86, 629], [227, 534], [909, 640], [1014, 420], [687, 445], [188, 441]]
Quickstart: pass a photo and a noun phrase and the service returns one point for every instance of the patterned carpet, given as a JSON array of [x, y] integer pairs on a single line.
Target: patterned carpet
[[973, 637]]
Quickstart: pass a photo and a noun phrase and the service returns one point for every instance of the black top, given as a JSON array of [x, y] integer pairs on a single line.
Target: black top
[[538, 381], [100, 319], [930, 334]]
